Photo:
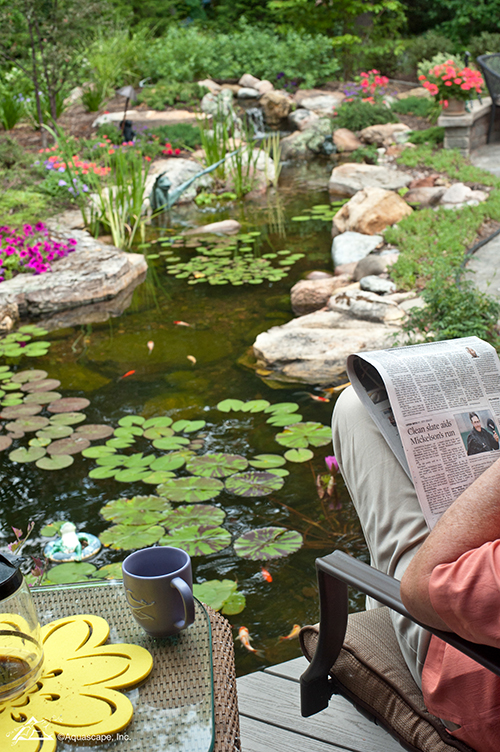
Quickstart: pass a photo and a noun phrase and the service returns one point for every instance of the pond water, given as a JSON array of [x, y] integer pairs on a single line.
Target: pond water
[[91, 361]]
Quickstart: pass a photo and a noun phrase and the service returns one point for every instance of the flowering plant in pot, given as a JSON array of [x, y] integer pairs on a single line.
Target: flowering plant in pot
[[450, 83]]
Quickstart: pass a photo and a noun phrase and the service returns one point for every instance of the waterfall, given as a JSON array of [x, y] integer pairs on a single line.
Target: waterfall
[[256, 119]]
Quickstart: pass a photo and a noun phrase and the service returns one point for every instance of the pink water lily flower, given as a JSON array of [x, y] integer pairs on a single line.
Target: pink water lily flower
[[332, 464]]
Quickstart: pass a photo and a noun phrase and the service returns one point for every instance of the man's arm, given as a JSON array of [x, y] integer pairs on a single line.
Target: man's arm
[[472, 520]]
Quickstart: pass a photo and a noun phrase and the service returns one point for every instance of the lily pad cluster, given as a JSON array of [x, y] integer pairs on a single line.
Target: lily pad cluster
[[324, 212], [21, 342], [236, 263], [221, 595]]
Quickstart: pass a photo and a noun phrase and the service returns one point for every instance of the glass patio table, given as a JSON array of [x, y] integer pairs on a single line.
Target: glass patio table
[[174, 706]]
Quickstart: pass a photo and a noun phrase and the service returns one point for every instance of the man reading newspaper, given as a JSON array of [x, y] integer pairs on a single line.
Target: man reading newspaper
[[450, 576]]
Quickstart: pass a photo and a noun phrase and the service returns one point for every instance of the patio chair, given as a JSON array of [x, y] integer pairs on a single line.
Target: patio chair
[[359, 658], [490, 67]]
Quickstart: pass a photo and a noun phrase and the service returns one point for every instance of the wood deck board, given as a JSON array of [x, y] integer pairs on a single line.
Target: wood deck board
[[271, 699]]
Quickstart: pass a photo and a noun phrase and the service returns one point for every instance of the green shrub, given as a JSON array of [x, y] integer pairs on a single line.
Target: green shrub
[[418, 106], [433, 136], [111, 131], [449, 161], [368, 154], [11, 154], [357, 115], [172, 94], [188, 53], [180, 136], [11, 109], [483, 44], [424, 47]]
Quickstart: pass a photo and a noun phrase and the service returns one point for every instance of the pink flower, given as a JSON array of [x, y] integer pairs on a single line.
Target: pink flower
[[332, 464]]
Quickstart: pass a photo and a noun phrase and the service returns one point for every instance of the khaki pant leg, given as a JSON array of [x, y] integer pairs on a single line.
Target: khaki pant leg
[[387, 506]]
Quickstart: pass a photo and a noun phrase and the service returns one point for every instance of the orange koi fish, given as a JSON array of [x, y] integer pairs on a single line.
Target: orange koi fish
[[129, 373], [191, 358], [293, 634], [266, 575], [317, 398], [151, 344], [244, 638], [182, 323]]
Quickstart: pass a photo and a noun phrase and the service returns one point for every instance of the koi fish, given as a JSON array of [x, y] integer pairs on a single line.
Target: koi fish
[[293, 634], [182, 323], [151, 344], [317, 398], [129, 373], [192, 359], [244, 638], [335, 389], [266, 575]]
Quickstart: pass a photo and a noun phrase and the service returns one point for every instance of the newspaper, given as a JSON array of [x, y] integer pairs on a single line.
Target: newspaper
[[438, 407]]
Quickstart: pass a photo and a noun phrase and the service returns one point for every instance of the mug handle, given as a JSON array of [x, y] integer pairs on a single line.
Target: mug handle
[[187, 599]]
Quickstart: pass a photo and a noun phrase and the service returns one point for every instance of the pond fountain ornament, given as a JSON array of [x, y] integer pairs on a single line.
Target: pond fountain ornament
[[72, 546]]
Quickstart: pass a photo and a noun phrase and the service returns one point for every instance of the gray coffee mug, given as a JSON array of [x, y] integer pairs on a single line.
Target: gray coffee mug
[[159, 589]]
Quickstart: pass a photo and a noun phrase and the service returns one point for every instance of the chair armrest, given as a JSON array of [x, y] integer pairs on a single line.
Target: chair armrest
[[336, 572]]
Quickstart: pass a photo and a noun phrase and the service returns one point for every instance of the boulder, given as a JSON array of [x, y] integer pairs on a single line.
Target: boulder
[[370, 211], [247, 80], [425, 196], [378, 285], [247, 93], [418, 91], [353, 246], [310, 295], [306, 144], [91, 273], [217, 103], [276, 105], [313, 349], [225, 227], [373, 264], [9, 315], [346, 140], [348, 178], [264, 86], [302, 119], [367, 306], [316, 274], [210, 85], [178, 171], [428, 182], [458, 195], [323, 104], [382, 135]]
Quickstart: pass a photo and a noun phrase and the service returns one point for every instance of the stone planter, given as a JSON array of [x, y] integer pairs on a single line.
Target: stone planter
[[455, 107]]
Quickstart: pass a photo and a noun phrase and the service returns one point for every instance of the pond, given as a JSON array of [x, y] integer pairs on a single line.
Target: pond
[[185, 374]]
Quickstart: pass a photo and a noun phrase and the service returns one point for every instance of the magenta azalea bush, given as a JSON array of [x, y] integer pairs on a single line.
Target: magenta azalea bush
[[29, 250]]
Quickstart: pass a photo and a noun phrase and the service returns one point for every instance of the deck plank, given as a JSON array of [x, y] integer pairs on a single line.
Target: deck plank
[[261, 737], [289, 669], [275, 700]]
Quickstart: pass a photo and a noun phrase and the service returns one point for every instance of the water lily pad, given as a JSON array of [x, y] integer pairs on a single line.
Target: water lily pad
[[110, 571], [32, 423], [55, 432], [130, 537], [254, 406], [157, 477], [41, 398], [110, 460], [27, 455], [68, 405], [57, 462], [11, 401], [36, 349], [192, 490], [41, 385], [68, 419], [159, 421], [40, 442], [188, 426], [128, 432], [230, 404], [10, 386], [284, 419], [131, 420], [138, 460], [264, 461], [280, 471], [5, 442], [198, 540], [158, 432], [169, 462], [20, 411], [119, 443], [68, 446], [201, 514], [52, 529], [216, 465], [73, 571], [303, 434], [220, 594], [102, 472], [170, 443], [128, 510], [32, 375], [94, 431], [254, 483], [267, 543], [98, 451], [282, 407], [299, 455], [131, 475]]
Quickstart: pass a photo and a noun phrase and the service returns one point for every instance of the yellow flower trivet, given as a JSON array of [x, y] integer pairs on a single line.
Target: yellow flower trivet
[[76, 695]]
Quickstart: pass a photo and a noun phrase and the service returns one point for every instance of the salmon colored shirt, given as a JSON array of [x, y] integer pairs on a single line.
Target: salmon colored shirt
[[466, 595]]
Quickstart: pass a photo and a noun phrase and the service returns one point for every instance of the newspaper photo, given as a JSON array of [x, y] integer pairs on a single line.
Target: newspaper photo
[[438, 407]]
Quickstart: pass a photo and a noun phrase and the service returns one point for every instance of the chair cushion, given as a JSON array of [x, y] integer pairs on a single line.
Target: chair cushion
[[373, 675]]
